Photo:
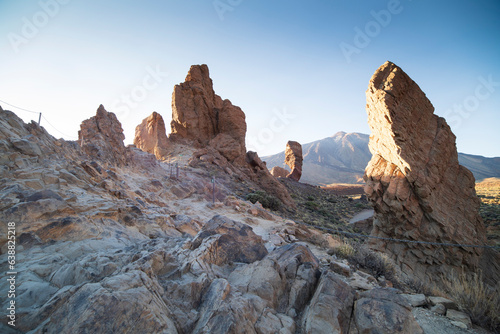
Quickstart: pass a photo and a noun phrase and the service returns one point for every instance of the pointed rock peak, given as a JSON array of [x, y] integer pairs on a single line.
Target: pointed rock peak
[[101, 136], [199, 74], [392, 80]]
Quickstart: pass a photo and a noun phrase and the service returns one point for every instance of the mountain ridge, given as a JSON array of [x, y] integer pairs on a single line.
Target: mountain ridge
[[342, 158]]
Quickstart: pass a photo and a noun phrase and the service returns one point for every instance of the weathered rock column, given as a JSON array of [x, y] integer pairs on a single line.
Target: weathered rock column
[[293, 158], [415, 183]]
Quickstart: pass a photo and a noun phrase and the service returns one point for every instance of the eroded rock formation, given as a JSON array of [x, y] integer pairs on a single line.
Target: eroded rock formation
[[101, 137], [151, 136], [200, 115], [129, 242], [415, 183], [293, 158]]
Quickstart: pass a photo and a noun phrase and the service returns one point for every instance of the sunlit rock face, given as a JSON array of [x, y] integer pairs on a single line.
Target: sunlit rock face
[[151, 137], [200, 115], [415, 183]]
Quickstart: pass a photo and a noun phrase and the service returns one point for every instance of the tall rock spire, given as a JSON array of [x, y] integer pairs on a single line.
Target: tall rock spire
[[415, 183]]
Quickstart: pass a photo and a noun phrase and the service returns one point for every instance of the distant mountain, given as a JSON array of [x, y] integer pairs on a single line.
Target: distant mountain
[[480, 166], [342, 158]]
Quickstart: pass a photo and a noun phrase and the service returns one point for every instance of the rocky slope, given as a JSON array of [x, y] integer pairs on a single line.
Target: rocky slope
[[343, 158], [108, 247], [124, 247], [111, 240]]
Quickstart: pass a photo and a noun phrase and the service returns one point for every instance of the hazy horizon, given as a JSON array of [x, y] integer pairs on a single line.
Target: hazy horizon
[[298, 70]]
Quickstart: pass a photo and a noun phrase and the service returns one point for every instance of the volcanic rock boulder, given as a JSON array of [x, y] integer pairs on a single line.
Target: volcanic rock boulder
[[293, 158], [200, 115], [415, 183], [151, 136], [101, 137]]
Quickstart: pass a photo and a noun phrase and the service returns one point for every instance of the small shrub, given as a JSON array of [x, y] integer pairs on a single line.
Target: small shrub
[[344, 251], [375, 263], [310, 198], [480, 302], [312, 205], [267, 201]]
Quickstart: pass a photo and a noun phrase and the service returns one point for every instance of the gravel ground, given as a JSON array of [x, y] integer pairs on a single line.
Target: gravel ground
[[433, 323]]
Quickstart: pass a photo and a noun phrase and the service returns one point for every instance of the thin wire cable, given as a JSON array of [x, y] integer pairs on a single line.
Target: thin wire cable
[[37, 112], [31, 111], [73, 137], [351, 234]]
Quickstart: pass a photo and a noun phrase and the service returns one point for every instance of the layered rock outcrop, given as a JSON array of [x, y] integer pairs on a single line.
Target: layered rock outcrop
[[200, 115], [101, 137], [415, 183], [293, 158], [151, 136]]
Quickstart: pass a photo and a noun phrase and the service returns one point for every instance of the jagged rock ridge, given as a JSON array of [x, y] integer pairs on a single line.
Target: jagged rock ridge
[[415, 183]]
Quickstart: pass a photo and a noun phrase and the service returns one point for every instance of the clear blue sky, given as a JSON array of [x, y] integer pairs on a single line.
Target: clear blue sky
[[307, 60]]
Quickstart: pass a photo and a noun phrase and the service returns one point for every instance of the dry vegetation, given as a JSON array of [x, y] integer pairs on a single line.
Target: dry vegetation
[[489, 192], [479, 301], [322, 207]]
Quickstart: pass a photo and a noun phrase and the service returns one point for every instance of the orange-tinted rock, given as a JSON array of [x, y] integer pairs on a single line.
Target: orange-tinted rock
[[293, 158], [415, 183], [198, 114], [101, 137], [151, 136], [278, 171], [201, 116]]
